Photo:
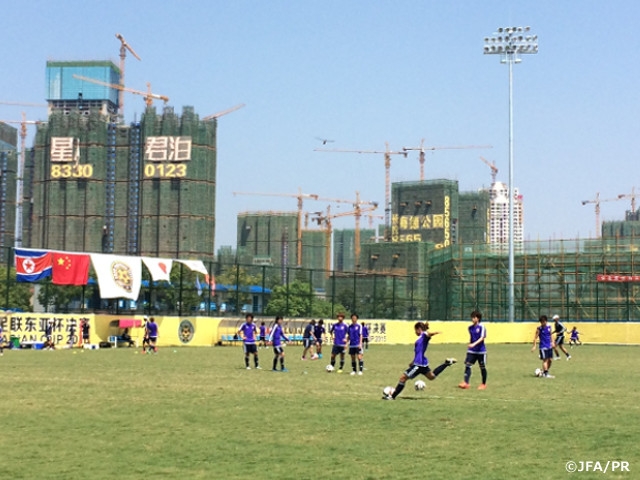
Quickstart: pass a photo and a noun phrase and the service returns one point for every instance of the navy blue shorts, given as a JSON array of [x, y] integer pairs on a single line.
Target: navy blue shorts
[[337, 350], [546, 353], [559, 340], [414, 370], [278, 350], [355, 350], [307, 342], [250, 348], [472, 358]]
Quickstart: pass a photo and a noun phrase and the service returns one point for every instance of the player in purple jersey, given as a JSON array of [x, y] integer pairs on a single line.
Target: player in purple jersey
[[365, 336], [420, 363], [319, 332], [354, 333], [338, 333], [248, 332], [559, 330], [544, 336], [575, 337], [276, 337], [263, 335], [476, 351], [151, 332], [309, 339]]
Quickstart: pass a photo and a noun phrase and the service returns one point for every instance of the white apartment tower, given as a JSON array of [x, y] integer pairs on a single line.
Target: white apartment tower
[[499, 218]]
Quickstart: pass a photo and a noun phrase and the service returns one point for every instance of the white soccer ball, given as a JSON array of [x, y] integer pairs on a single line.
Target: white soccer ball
[[419, 385], [330, 368], [538, 372], [388, 391]]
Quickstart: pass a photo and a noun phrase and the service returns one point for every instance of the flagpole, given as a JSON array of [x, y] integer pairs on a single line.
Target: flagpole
[[6, 299], [180, 294]]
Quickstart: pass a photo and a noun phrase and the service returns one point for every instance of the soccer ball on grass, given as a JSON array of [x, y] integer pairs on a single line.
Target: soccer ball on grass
[[419, 385], [388, 391], [329, 368], [538, 372]]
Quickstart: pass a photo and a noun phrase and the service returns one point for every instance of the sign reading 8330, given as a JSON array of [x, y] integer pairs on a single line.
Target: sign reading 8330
[[71, 171], [65, 159]]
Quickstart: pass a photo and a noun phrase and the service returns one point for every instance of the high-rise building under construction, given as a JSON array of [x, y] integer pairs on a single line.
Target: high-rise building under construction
[[8, 163], [499, 218], [96, 185]]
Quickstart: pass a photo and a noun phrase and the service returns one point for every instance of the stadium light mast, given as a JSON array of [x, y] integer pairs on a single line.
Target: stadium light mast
[[510, 43]]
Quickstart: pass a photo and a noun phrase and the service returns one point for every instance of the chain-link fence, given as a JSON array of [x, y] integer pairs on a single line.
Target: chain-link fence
[[559, 277]]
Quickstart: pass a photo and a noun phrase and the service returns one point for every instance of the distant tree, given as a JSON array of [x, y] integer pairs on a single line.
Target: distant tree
[[298, 300], [58, 298], [239, 279], [19, 293], [167, 296], [345, 297]]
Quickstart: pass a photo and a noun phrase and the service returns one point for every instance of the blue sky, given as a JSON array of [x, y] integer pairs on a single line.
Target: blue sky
[[363, 73]]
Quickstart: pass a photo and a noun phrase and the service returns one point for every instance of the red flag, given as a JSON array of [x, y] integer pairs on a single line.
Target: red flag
[[211, 281], [70, 268]]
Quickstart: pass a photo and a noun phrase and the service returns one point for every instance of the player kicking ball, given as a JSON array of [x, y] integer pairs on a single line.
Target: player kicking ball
[[420, 363]]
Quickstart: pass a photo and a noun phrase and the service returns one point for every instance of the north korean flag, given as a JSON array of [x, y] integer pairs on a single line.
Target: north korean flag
[[32, 265]]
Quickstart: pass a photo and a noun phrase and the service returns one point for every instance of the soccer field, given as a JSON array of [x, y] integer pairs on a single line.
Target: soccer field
[[197, 413]]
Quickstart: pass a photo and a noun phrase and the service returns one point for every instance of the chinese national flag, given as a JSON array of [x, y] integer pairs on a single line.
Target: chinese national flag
[[70, 268]]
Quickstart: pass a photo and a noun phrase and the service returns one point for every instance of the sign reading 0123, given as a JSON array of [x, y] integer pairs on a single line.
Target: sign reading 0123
[[165, 157], [65, 159]]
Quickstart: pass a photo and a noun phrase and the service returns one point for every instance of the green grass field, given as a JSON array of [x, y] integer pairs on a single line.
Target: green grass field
[[197, 413]]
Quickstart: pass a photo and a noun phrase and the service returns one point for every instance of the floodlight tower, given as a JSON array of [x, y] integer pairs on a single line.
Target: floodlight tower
[[510, 43]]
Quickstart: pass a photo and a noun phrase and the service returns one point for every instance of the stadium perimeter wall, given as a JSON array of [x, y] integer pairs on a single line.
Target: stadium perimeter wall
[[206, 331]]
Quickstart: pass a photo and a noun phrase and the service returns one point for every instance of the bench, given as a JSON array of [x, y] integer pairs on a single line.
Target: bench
[[230, 339], [117, 338]]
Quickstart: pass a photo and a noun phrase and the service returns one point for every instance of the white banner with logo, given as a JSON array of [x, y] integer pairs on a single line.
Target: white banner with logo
[[118, 276]]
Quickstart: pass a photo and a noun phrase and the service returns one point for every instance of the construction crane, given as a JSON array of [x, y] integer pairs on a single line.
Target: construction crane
[[632, 196], [387, 180], [21, 104], [422, 149], [124, 46], [494, 169], [371, 217], [357, 212], [148, 96], [223, 112], [597, 201], [20, 175]]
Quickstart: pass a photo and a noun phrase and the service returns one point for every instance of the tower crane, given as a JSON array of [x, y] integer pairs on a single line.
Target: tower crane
[[494, 169], [632, 196], [124, 46], [20, 175], [422, 149], [326, 219], [223, 112], [370, 216], [387, 180], [148, 95], [21, 104], [597, 201]]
